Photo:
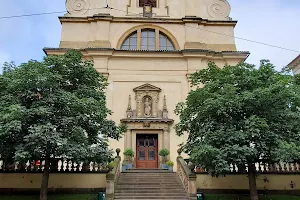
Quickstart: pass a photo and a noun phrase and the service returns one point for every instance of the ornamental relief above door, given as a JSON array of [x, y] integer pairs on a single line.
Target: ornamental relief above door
[[147, 101]]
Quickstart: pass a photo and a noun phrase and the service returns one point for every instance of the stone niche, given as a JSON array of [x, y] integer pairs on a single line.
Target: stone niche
[[147, 100]]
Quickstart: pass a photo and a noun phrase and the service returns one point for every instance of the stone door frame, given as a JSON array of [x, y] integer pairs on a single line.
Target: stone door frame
[[147, 126]]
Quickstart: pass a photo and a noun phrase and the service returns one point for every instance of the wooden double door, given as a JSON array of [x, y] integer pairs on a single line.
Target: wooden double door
[[147, 150]]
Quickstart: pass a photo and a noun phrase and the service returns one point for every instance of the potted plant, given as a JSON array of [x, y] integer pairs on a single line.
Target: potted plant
[[124, 166], [111, 165], [164, 153], [170, 165], [129, 154]]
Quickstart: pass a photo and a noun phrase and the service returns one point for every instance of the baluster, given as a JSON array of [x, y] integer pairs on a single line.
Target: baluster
[[285, 169], [1, 165], [64, 165], [259, 167], [231, 168], [96, 167], [280, 167], [59, 165], [69, 165], [15, 166], [100, 168], [290, 165], [265, 167], [72, 166], [27, 165], [78, 167], [43, 162], [296, 167], [91, 166]]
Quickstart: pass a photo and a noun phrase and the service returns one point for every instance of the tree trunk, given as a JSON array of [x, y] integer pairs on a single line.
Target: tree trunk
[[252, 181], [45, 180]]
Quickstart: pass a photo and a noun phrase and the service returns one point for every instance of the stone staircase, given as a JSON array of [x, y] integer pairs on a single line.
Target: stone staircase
[[143, 184]]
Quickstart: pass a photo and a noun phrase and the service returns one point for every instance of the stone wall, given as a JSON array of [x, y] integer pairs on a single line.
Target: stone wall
[[240, 182], [58, 182]]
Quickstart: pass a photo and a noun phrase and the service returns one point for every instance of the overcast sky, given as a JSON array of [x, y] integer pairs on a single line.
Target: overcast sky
[[275, 22]]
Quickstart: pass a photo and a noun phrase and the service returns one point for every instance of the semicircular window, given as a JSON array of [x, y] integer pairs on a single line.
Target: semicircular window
[[148, 39]]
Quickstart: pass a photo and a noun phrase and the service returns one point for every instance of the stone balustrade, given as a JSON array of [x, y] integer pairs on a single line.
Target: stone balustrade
[[187, 176], [112, 177], [262, 168]]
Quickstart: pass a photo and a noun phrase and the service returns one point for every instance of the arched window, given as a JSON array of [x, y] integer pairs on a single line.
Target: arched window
[[130, 42], [153, 3], [147, 39]]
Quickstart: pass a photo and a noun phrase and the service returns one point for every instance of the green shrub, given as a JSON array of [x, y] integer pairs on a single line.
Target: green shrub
[[170, 163], [111, 165], [164, 152], [129, 152]]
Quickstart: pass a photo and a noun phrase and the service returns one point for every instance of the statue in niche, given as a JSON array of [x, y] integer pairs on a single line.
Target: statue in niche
[[147, 107]]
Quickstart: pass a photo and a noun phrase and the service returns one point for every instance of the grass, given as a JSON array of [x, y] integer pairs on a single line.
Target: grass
[[93, 197], [240, 197]]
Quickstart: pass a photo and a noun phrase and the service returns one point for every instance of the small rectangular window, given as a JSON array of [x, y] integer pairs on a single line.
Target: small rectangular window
[[153, 3]]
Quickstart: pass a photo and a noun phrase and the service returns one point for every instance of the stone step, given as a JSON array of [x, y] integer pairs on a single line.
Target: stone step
[[146, 190], [149, 198], [150, 195], [149, 174], [156, 198], [148, 186], [151, 184], [146, 171], [149, 178]]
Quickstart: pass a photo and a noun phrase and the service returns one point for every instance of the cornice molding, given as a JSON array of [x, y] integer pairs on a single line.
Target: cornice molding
[[147, 20]]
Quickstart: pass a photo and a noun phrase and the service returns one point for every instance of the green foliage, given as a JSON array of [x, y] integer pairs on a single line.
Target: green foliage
[[55, 108], [128, 152], [124, 163], [164, 152], [170, 163], [111, 165], [242, 115]]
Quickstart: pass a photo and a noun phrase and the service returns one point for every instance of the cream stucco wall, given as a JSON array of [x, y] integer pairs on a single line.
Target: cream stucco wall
[[240, 182], [107, 33], [169, 73], [63, 181], [207, 9], [295, 65]]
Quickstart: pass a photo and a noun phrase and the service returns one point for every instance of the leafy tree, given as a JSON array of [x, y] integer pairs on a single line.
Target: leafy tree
[[55, 108], [241, 116]]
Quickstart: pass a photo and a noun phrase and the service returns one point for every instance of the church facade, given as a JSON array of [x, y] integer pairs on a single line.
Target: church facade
[[147, 49]]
